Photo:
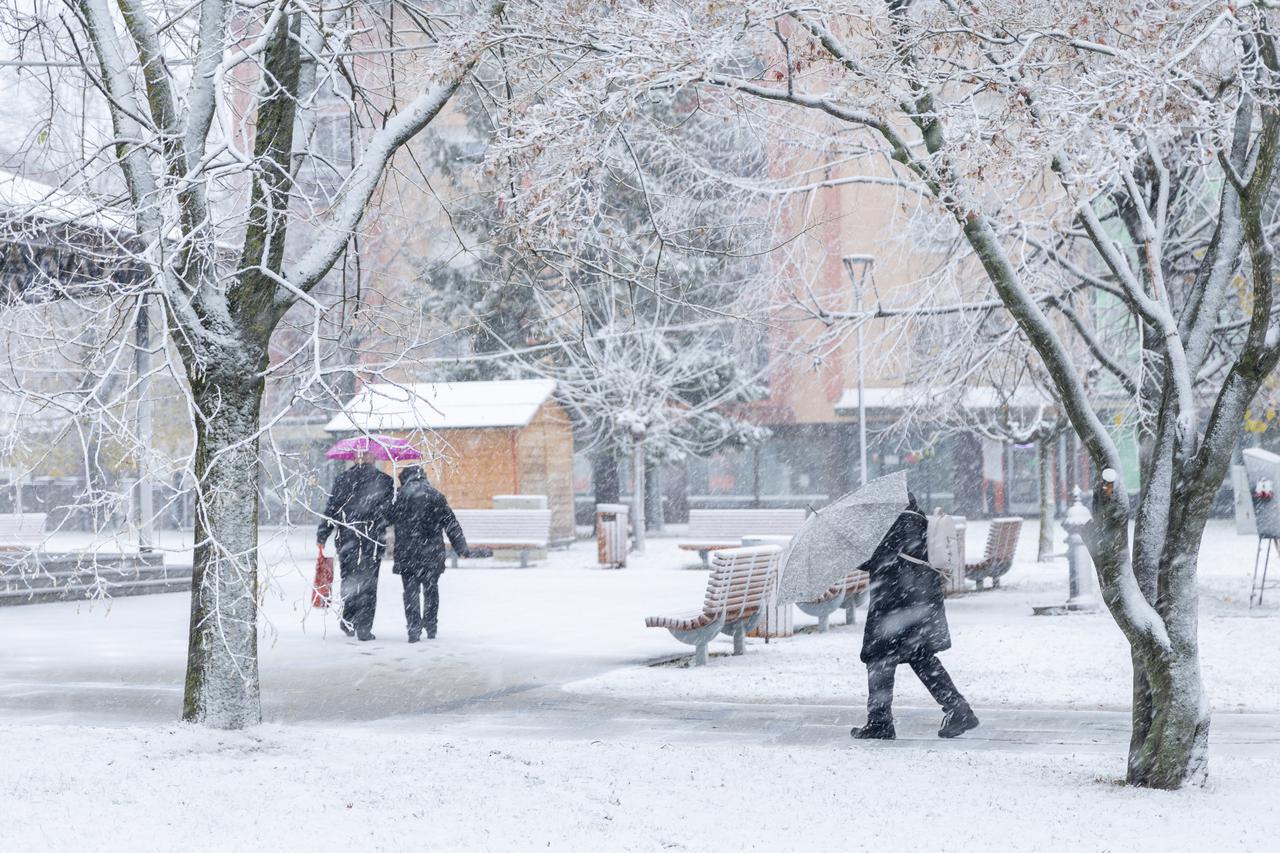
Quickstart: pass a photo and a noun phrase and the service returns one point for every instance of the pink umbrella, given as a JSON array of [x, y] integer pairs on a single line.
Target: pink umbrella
[[377, 446]]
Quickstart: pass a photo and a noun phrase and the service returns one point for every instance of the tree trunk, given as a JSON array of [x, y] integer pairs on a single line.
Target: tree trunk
[[222, 658], [1048, 496], [1169, 746], [653, 486], [637, 497], [604, 475]]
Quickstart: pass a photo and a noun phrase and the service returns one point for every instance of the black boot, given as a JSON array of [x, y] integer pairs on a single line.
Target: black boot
[[957, 721], [431, 632], [346, 627], [413, 638], [874, 730], [365, 637]]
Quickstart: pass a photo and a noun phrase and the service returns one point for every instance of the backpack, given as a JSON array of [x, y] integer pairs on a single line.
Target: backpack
[[942, 541]]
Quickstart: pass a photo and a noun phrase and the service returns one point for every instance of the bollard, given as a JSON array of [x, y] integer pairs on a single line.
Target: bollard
[[1081, 595]]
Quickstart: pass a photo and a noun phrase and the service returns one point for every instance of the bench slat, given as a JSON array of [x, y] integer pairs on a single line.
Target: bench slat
[[509, 528], [22, 529], [710, 529]]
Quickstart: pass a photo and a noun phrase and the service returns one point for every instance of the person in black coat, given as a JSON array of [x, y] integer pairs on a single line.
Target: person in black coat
[[358, 510], [906, 623], [422, 517]]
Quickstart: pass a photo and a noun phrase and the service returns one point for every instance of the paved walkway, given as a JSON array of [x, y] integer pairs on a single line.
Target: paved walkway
[[538, 711], [522, 695]]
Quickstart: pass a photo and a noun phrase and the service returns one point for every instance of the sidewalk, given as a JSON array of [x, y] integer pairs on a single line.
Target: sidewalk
[[538, 711]]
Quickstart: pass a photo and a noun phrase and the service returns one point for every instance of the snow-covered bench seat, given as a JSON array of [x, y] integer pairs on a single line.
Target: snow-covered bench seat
[[713, 529], [737, 592], [997, 558], [846, 593], [21, 531], [523, 530]]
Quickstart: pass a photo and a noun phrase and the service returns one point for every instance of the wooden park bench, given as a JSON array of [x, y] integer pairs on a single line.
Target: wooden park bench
[[741, 582], [846, 593], [713, 529], [997, 558], [22, 531], [523, 530]]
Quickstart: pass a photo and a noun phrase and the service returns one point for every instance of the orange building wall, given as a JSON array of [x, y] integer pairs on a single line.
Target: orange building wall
[[545, 462], [472, 465]]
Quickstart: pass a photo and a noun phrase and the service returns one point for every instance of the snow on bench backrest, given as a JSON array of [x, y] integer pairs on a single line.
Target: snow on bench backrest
[[741, 580], [505, 526], [854, 582], [25, 529], [731, 524], [1002, 541]]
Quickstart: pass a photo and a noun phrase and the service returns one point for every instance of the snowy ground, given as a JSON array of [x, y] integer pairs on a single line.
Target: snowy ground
[[536, 720], [1002, 656]]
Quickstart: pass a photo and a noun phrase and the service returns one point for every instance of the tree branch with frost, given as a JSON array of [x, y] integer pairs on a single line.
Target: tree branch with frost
[[359, 187]]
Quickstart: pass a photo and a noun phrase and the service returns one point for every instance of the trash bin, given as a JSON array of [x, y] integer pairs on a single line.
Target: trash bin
[[777, 619], [611, 535]]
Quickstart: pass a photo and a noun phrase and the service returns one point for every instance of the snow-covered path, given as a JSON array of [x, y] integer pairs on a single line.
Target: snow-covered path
[[122, 661]]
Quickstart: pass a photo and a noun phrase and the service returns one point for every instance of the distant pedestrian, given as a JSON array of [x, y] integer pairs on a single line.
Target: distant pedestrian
[[358, 509], [906, 623], [422, 518]]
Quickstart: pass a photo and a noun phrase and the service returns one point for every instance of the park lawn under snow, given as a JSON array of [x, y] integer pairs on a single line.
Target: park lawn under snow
[[569, 622], [337, 788], [1001, 654]]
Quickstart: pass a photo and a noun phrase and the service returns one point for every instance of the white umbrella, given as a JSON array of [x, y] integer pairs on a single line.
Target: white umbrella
[[838, 538]]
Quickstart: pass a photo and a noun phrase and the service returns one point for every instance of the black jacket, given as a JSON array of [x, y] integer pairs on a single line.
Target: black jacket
[[422, 518], [906, 619], [358, 508]]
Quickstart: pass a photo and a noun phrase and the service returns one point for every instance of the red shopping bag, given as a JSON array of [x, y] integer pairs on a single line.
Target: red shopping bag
[[322, 589]]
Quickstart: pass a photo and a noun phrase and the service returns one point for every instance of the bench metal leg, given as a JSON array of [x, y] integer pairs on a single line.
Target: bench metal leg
[[739, 639], [851, 610], [822, 622], [453, 559], [524, 559], [698, 638], [705, 556]]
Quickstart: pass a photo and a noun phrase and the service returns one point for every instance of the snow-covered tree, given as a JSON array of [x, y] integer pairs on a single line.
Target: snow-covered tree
[[640, 316], [1018, 125], [201, 136]]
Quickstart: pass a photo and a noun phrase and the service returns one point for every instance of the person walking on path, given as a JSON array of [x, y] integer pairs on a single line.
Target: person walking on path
[[358, 510], [906, 623], [422, 517]]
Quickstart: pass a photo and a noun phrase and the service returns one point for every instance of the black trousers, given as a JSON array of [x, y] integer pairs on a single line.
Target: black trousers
[[880, 677], [421, 601], [358, 566]]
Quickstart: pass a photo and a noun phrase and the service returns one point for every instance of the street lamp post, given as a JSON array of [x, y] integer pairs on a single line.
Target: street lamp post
[[859, 268], [638, 520]]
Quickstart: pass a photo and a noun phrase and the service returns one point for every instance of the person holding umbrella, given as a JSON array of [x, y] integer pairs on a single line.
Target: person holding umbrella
[[358, 509], [906, 623]]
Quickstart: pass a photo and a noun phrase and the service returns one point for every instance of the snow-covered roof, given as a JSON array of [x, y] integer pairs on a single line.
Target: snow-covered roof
[[21, 196], [900, 397], [393, 407]]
